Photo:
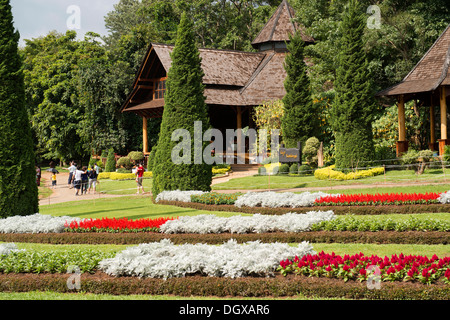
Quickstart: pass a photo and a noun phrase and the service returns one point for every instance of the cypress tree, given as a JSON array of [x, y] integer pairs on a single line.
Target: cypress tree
[[184, 104], [300, 120], [18, 188], [352, 112], [110, 165]]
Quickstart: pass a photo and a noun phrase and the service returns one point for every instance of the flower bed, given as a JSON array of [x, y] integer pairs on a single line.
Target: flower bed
[[216, 198], [203, 224], [359, 267], [116, 225], [378, 199], [165, 260], [330, 174], [35, 224]]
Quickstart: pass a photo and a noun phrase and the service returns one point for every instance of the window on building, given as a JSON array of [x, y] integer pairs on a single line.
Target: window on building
[[160, 89]]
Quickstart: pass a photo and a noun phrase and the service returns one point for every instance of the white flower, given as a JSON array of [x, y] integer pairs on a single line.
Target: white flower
[[203, 224], [7, 248], [272, 199], [177, 195], [165, 260], [36, 223], [444, 197]]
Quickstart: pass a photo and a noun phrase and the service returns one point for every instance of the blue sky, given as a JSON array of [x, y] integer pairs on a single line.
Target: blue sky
[[34, 18]]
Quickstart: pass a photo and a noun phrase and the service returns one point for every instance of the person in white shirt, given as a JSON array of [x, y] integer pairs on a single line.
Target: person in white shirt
[[72, 169], [77, 179]]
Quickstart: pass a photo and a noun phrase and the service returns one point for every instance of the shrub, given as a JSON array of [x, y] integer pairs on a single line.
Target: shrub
[[305, 170], [284, 169], [310, 150], [262, 171], [330, 173], [123, 170], [417, 160], [293, 169], [110, 161], [151, 159], [125, 162], [136, 156]]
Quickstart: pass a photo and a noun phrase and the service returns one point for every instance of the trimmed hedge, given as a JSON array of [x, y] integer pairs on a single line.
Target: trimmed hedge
[[278, 286], [380, 237], [330, 173], [338, 210]]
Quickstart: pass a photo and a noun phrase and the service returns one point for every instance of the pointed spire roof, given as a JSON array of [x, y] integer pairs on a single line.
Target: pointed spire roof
[[429, 73], [279, 26]]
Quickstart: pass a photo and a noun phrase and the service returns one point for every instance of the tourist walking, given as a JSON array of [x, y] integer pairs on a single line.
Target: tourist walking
[[76, 180], [72, 169], [92, 175], [140, 178], [84, 180]]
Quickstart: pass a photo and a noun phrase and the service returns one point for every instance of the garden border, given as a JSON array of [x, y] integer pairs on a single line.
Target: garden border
[[378, 237], [277, 286], [338, 210]]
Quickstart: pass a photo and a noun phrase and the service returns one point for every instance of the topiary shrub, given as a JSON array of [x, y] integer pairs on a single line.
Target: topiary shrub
[[417, 160], [284, 169], [110, 162], [262, 171], [310, 150], [151, 159], [136, 156], [125, 162], [293, 168], [305, 170]]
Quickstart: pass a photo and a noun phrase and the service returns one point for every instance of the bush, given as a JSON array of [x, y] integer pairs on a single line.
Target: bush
[[330, 173], [151, 159], [125, 162], [417, 160], [110, 161], [123, 170], [293, 169], [305, 170], [136, 156], [310, 150], [262, 171], [284, 169]]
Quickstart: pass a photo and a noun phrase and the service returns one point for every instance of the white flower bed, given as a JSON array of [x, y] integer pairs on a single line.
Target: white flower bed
[[177, 195], [444, 197], [165, 260], [7, 248], [272, 199], [36, 223], [203, 224]]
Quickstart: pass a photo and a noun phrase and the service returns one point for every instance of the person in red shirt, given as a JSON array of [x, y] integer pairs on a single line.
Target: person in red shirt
[[140, 178]]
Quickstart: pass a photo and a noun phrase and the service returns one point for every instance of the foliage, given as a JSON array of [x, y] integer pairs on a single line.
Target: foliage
[[110, 161], [284, 169], [136, 156], [293, 169], [18, 189], [310, 151], [417, 160], [305, 169], [353, 109], [124, 162], [216, 198], [328, 173], [184, 105], [300, 119]]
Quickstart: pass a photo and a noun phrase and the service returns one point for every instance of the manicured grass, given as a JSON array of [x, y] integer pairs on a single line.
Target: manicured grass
[[43, 191], [122, 187], [136, 207], [289, 182]]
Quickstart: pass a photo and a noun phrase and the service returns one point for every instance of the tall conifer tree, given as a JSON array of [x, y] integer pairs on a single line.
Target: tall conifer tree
[[352, 113], [300, 120], [184, 105], [18, 188]]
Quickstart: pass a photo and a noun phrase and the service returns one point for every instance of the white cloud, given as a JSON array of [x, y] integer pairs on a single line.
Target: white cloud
[[34, 18]]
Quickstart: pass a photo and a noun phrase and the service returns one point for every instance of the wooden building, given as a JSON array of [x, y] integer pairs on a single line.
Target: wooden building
[[235, 81], [429, 83]]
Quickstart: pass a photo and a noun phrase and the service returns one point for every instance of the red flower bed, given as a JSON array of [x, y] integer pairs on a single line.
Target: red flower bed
[[378, 199], [117, 225], [360, 267]]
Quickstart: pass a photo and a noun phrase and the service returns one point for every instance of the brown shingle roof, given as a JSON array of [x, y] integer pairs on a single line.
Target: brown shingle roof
[[429, 73], [221, 67], [279, 26]]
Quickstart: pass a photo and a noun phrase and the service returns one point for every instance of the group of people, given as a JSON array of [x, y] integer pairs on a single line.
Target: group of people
[[83, 179]]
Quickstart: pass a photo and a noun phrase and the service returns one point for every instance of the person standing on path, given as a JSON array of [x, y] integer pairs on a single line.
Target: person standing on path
[[140, 178], [92, 175], [84, 180], [77, 180], [72, 169], [38, 175]]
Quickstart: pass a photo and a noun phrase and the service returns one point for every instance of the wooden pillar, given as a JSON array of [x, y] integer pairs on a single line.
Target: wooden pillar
[[432, 127], [239, 136], [402, 143], [443, 103], [145, 134]]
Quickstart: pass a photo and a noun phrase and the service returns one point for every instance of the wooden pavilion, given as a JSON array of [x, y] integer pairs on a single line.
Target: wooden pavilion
[[235, 81], [428, 82]]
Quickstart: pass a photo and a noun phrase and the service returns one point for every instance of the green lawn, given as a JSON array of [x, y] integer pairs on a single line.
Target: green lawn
[[122, 187], [289, 182]]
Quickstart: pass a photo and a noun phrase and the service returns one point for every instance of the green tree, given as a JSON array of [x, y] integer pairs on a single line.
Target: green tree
[[300, 120], [353, 108], [110, 165], [18, 188], [185, 104]]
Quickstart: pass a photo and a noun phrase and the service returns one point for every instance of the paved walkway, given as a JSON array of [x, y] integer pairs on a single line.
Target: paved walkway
[[62, 192]]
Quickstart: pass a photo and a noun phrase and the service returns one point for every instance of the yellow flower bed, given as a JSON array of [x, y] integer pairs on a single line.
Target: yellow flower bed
[[329, 173], [121, 176], [220, 171]]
